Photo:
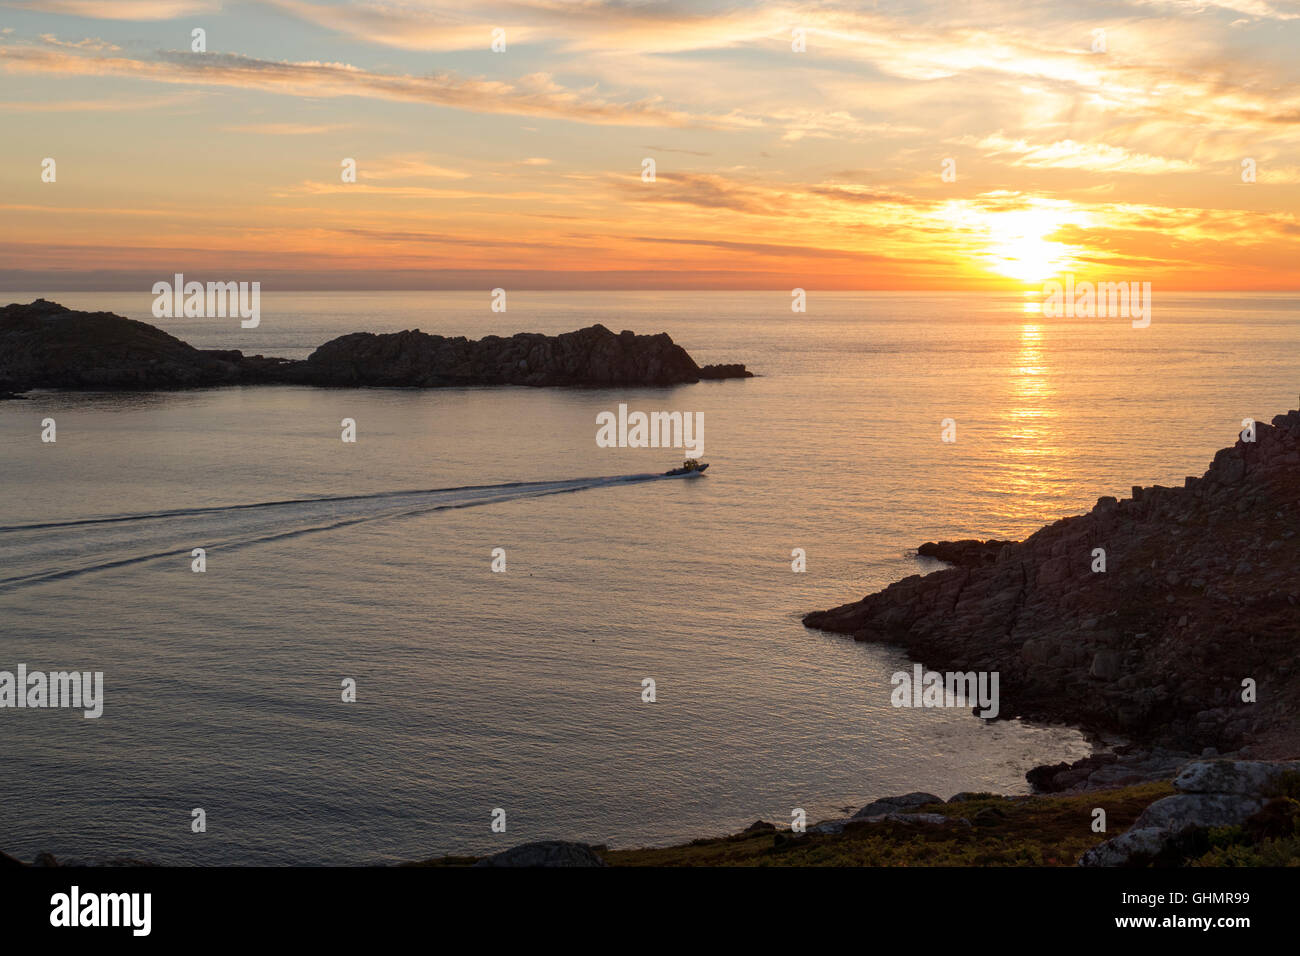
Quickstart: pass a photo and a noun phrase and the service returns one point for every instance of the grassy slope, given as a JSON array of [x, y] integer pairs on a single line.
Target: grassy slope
[[1010, 831], [1035, 831], [1005, 831]]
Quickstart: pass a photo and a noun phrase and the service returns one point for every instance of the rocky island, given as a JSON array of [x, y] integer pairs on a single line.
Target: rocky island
[[45, 345]]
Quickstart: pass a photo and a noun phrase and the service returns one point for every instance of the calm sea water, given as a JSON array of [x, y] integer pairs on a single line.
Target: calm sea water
[[522, 690]]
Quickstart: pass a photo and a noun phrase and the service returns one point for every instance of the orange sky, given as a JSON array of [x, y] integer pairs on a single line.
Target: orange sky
[[1112, 156]]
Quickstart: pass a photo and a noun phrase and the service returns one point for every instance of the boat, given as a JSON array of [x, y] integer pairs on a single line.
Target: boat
[[690, 466]]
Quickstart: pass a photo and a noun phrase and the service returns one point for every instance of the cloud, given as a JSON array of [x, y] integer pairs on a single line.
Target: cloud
[[765, 248], [407, 167], [121, 9], [286, 129], [1067, 154], [533, 95], [405, 27], [90, 44], [115, 105], [430, 238], [1166, 67], [707, 191], [584, 25], [1255, 8], [860, 195], [315, 188], [673, 149]]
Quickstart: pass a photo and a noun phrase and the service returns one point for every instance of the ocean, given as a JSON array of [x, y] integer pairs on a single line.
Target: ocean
[[522, 690]]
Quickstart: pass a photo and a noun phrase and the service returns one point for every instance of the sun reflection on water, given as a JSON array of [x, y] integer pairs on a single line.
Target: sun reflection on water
[[1030, 456]]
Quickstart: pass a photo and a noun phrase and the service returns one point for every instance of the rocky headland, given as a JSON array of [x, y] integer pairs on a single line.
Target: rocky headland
[[45, 345], [1186, 640]]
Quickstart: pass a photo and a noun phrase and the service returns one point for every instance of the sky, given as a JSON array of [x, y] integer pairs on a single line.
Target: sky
[[832, 145]]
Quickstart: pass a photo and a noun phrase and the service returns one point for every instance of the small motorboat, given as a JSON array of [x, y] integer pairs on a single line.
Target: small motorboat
[[690, 466]]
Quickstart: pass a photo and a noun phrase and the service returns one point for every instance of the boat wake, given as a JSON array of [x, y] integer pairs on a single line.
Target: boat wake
[[57, 550]]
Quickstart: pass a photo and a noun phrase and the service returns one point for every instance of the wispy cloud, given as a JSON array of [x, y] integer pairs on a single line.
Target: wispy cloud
[[1067, 154], [317, 188], [89, 44], [533, 95], [408, 26], [100, 106], [121, 9], [408, 167], [1255, 8], [286, 129]]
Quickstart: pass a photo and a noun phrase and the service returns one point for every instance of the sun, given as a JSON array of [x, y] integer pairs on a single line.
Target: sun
[[1019, 249], [1015, 236]]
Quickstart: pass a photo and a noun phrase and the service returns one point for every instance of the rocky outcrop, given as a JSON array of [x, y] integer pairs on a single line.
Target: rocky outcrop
[[905, 809], [545, 853], [1195, 613], [907, 802], [1122, 767], [593, 356], [1219, 793], [724, 371], [44, 345], [967, 553]]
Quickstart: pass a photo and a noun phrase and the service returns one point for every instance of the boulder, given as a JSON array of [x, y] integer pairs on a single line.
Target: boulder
[[1186, 810], [897, 804], [830, 827], [1136, 847], [967, 553], [1232, 776], [545, 853]]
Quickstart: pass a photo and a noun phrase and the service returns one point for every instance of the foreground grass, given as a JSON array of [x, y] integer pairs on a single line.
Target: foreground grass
[[1005, 831]]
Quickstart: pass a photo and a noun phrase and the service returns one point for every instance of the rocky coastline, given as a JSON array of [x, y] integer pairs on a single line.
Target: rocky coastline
[[44, 345], [1171, 618]]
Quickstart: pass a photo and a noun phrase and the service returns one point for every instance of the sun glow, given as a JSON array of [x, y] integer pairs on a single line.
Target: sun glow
[[1019, 247]]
